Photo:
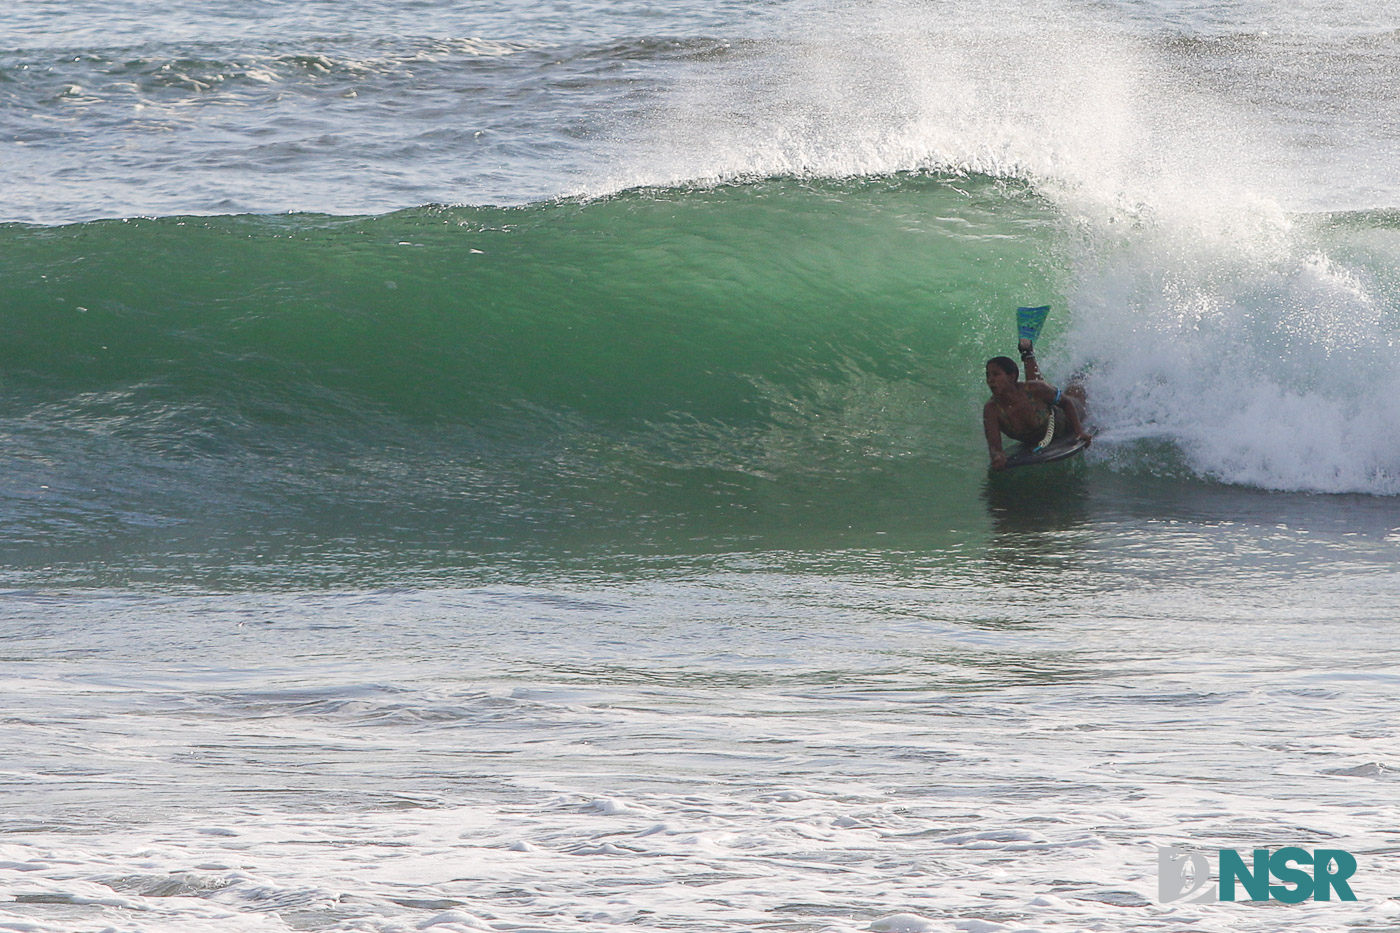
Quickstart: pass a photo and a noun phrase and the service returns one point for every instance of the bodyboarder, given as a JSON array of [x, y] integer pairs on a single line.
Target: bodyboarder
[[1032, 412]]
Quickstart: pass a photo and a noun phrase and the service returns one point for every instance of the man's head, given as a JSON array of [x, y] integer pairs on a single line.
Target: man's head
[[1001, 367]]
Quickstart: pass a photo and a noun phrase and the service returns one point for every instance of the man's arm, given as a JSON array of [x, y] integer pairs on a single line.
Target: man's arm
[[991, 426], [1046, 393], [1076, 427]]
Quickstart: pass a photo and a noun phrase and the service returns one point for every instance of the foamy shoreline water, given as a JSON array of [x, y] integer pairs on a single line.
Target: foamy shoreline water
[[739, 751]]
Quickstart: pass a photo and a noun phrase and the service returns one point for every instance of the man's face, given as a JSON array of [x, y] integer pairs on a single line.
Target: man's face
[[998, 379]]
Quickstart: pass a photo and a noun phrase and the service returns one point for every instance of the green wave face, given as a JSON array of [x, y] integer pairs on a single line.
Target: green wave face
[[793, 363], [778, 355], [641, 306]]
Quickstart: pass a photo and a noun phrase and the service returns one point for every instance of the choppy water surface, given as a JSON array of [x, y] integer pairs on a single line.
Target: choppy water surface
[[889, 741]]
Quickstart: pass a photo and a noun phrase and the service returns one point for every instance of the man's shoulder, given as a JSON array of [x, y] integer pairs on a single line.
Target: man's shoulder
[[1038, 387]]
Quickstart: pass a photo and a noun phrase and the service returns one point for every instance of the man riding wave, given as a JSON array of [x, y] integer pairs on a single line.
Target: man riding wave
[[1032, 412]]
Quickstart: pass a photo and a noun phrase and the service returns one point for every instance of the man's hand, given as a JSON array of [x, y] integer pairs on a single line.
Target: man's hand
[[999, 460]]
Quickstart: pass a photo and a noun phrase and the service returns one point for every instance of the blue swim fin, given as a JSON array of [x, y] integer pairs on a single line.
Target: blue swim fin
[[1029, 321]]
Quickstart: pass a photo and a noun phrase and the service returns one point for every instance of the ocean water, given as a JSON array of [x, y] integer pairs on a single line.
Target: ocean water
[[518, 466]]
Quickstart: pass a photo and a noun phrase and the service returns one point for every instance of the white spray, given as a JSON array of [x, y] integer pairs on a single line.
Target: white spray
[[1214, 313]]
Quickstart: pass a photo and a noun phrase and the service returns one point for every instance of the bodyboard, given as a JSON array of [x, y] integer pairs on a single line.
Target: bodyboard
[[1028, 455]]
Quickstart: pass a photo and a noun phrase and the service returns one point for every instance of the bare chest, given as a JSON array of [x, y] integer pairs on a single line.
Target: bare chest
[[1021, 416]]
